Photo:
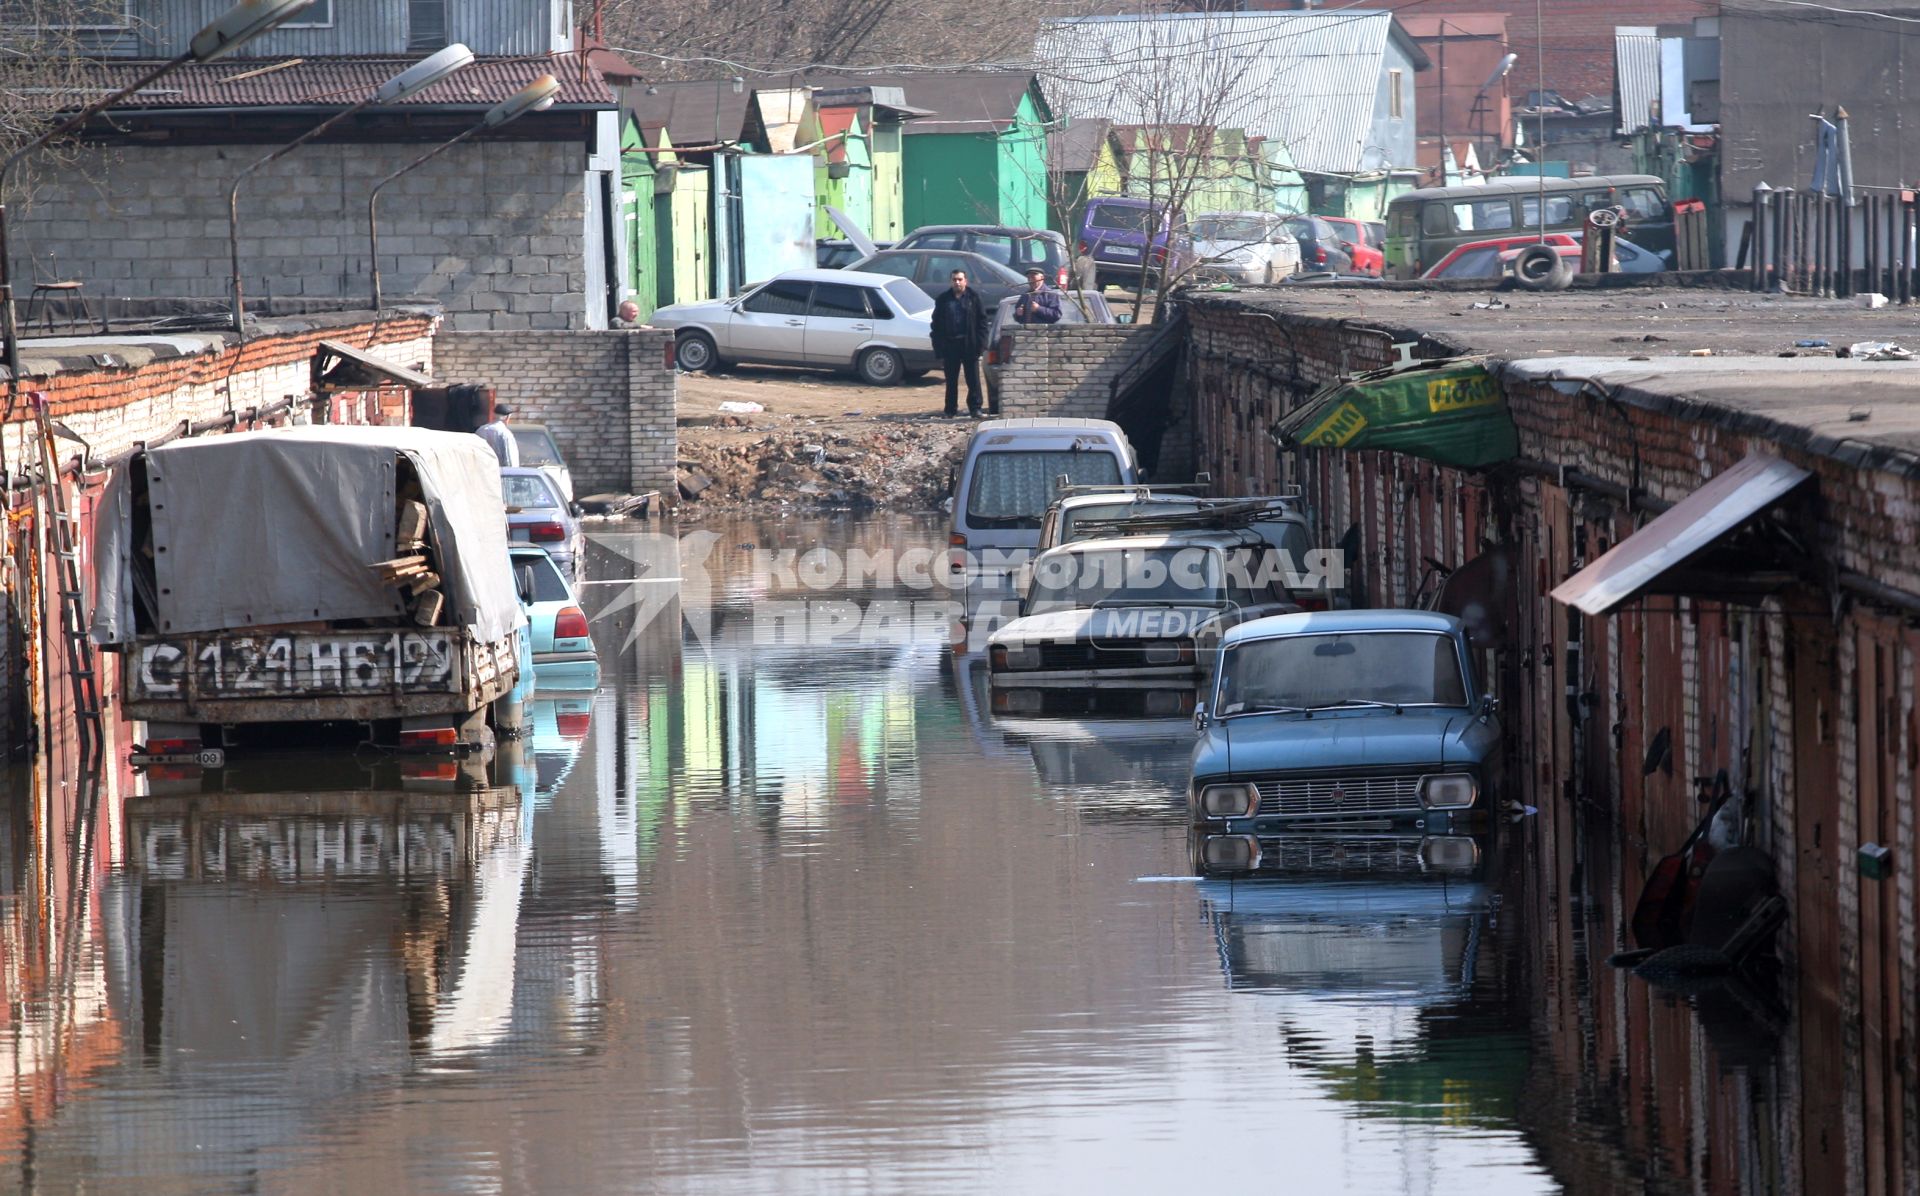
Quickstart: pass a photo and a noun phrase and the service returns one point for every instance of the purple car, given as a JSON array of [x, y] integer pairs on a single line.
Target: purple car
[[1129, 238]]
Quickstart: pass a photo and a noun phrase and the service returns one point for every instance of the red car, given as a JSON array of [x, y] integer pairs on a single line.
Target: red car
[[1364, 241], [1484, 259]]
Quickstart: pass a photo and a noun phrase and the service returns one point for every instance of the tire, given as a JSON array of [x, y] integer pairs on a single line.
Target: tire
[[1541, 268], [880, 367], [694, 352]]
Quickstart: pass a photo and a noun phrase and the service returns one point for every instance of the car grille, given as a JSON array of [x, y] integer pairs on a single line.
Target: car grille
[[1327, 854], [1294, 797], [1122, 654]]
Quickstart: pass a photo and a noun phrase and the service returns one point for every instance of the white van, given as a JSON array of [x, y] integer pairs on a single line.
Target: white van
[[1009, 477]]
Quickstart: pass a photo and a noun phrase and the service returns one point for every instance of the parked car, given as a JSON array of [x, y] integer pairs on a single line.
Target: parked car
[[537, 448], [1008, 478], [1362, 239], [563, 655], [877, 325], [1015, 248], [1341, 719], [932, 269], [1254, 248], [1129, 623], [1076, 307], [1321, 245], [314, 575], [838, 255], [1423, 226], [537, 515], [1132, 242], [1482, 259]]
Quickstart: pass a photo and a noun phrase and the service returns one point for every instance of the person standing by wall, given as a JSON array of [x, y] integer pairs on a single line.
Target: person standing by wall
[[959, 337], [1037, 304], [499, 437]]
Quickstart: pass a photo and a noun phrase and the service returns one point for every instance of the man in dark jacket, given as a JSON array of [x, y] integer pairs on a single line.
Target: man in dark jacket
[[959, 337], [1037, 305]]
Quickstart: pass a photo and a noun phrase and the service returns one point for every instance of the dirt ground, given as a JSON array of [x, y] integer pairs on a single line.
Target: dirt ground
[[821, 441]]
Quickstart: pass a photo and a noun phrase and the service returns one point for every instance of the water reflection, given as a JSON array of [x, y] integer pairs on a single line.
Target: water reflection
[[759, 917]]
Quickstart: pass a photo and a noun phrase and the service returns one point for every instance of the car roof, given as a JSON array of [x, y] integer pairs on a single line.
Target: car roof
[[1525, 183], [1015, 229], [1204, 538], [1047, 422], [823, 274], [1141, 493], [1322, 622]]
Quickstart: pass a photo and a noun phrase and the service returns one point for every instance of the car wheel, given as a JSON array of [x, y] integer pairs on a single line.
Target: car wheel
[[694, 352], [880, 367]]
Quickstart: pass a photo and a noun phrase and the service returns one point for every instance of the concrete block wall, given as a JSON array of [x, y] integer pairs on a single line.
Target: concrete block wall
[[1065, 370], [607, 395], [493, 231]]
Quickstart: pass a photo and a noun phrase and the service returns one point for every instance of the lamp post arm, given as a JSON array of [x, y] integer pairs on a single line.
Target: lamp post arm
[[373, 202], [233, 204], [8, 330]]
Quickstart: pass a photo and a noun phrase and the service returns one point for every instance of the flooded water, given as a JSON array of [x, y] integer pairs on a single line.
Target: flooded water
[[766, 917]]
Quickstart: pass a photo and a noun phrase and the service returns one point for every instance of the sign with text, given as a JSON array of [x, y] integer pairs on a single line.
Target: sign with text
[[306, 664]]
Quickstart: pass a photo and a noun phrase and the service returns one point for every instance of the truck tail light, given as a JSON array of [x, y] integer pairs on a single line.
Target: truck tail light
[[1314, 601], [1060, 278], [957, 559], [570, 624], [429, 737], [1319, 255], [545, 533]]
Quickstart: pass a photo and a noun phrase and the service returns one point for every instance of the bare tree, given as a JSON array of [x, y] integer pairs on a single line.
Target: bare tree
[[44, 68]]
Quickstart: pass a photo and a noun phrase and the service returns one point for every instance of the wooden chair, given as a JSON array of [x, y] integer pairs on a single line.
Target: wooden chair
[[50, 286]]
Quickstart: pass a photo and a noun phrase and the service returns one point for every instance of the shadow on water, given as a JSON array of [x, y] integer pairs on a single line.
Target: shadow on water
[[767, 916]]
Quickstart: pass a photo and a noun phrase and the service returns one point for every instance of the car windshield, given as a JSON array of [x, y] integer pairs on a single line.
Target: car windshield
[[1318, 672], [523, 490], [536, 447], [1119, 218], [546, 583], [1013, 489], [909, 298], [1182, 575], [1244, 230]]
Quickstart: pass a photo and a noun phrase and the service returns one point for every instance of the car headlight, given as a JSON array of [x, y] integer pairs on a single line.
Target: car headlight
[[1016, 656], [1170, 652], [1449, 853], [1229, 801], [1448, 791], [1230, 853]]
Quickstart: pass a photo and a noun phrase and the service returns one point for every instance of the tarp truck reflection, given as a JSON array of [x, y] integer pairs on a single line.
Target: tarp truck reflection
[[329, 574]]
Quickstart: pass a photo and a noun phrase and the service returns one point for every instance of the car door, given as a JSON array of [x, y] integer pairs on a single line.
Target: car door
[[771, 323], [839, 323]]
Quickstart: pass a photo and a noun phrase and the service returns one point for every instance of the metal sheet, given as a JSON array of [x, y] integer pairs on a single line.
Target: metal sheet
[[1636, 72], [777, 203], [366, 369], [1310, 80], [1704, 516]]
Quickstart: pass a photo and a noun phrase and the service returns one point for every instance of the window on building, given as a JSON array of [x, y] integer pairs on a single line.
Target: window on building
[[1396, 106], [426, 26], [319, 15]]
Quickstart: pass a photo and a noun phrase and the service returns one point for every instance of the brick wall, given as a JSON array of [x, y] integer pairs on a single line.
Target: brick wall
[[608, 396], [494, 232], [1067, 370]]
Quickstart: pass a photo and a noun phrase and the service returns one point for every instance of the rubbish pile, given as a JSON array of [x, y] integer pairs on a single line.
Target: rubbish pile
[[899, 467]]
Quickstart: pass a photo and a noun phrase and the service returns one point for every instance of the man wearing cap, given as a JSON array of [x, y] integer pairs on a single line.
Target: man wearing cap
[[499, 437], [1037, 304]]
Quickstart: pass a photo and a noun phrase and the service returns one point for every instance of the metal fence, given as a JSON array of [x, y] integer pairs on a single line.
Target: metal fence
[[1807, 243]]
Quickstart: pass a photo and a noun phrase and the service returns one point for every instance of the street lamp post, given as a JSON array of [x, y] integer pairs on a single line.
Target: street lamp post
[[410, 82], [536, 96], [239, 25]]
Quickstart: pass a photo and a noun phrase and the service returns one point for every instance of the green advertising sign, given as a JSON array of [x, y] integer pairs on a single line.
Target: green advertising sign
[[1451, 411]]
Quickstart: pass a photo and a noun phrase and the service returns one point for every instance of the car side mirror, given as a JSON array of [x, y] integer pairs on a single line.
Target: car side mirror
[[1489, 705], [576, 510], [1199, 716], [1125, 317], [523, 582]]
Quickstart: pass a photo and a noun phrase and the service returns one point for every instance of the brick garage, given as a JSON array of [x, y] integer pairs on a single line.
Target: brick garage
[[608, 397], [1069, 371], [1806, 698]]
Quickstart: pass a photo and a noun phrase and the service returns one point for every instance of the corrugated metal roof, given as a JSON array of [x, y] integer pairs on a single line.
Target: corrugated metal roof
[[1308, 79], [337, 82], [1636, 75]]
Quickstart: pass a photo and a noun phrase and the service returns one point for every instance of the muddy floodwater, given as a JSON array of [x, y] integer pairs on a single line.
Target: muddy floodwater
[[766, 916]]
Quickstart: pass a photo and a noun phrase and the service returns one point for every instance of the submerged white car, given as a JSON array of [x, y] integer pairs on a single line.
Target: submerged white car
[[876, 325]]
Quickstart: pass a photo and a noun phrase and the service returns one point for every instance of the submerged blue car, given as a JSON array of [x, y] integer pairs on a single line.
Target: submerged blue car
[[1351, 720]]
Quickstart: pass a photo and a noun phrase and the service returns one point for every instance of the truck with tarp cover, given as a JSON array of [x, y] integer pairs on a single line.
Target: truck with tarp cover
[[330, 574]]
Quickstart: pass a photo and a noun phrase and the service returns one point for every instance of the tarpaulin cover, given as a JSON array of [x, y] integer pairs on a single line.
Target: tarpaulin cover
[[1452, 412], [262, 528]]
